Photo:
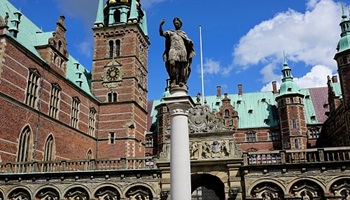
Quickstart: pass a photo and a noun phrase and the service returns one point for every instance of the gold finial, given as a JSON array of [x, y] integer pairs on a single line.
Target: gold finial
[[112, 1]]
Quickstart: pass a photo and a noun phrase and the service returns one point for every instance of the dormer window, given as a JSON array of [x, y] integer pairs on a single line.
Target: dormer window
[[250, 111], [263, 100], [289, 89], [227, 113], [239, 101]]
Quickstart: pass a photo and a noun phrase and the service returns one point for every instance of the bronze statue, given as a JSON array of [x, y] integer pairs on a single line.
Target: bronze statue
[[178, 53]]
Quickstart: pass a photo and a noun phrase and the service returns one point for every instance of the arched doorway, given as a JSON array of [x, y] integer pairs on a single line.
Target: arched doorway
[[207, 187]]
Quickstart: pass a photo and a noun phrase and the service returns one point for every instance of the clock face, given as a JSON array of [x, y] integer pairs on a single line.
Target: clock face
[[113, 74]]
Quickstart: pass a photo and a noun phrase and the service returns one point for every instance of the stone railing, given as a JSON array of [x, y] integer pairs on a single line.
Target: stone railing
[[77, 165], [332, 154]]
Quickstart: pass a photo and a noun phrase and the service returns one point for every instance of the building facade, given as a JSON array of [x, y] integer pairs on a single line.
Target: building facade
[[68, 133]]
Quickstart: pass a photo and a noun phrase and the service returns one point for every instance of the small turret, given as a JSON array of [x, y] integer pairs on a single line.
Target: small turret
[[291, 112]]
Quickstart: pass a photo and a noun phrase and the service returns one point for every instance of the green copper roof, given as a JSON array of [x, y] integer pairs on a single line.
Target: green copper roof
[[288, 86], [29, 35], [258, 109], [78, 75]]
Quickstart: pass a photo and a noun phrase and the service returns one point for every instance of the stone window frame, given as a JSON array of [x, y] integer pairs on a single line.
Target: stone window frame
[[33, 84], [54, 100], [111, 138], [112, 97], [23, 150], [250, 136], [274, 136], [92, 121], [74, 119], [49, 148], [114, 48]]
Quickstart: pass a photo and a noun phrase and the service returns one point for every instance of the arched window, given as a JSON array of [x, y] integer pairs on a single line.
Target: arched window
[[49, 149], [89, 154], [116, 16], [117, 48], [112, 97], [227, 113], [111, 49], [23, 145]]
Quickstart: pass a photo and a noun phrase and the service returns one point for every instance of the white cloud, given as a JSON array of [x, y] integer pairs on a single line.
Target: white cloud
[[312, 3], [317, 77], [211, 67], [268, 72], [302, 36], [85, 48]]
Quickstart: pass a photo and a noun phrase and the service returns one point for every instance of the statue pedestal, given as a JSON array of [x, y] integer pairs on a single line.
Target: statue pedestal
[[180, 165]]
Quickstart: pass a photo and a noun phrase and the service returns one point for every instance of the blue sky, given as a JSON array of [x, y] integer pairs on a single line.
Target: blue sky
[[243, 41]]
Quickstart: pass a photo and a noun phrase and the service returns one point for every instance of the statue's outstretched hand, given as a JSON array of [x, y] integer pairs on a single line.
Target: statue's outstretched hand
[[162, 22]]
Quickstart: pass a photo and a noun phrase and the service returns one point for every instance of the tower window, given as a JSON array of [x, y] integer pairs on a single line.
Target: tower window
[[111, 138], [112, 97], [296, 143], [294, 123], [59, 45], [117, 48], [111, 49], [116, 16]]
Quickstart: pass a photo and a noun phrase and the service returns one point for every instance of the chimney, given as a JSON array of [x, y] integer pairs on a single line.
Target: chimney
[[274, 87], [240, 89], [218, 91], [334, 79]]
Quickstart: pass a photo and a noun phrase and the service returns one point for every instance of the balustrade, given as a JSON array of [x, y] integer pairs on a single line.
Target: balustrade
[[331, 154], [77, 165]]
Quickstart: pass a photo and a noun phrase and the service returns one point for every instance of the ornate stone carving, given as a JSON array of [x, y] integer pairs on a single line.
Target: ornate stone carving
[[201, 150], [202, 119]]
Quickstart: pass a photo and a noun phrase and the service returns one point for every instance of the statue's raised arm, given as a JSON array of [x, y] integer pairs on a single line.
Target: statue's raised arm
[[178, 53], [161, 28]]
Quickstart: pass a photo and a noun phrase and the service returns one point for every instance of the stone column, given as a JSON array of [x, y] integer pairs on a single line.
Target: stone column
[[180, 166]]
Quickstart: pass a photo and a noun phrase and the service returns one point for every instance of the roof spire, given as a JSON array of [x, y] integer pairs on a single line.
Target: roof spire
[[343, 16], [286, 70], [99, 15]]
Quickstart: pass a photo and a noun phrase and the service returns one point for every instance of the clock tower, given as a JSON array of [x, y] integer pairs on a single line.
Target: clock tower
[[119, 78]]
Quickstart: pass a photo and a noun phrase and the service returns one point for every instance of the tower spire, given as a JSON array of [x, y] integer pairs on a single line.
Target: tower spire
[[286, 71], [99, 16], [133, 13]]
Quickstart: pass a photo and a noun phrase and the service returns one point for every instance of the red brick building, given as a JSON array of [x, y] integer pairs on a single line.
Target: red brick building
[[56, 112]]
